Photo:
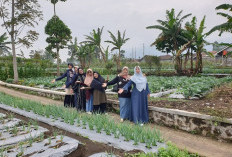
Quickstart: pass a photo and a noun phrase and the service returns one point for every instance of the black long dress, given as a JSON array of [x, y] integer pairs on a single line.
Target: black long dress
[[79, 95]]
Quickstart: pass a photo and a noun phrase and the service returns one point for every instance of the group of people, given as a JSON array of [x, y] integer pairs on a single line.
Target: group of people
[[86, 92]]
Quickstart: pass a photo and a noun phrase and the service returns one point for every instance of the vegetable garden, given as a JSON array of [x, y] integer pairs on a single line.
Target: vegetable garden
[[188, 86], [134, 136]]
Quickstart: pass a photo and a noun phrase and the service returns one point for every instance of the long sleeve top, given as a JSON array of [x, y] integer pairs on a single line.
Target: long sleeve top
[[129, 84], [121, 82], [68, 74]]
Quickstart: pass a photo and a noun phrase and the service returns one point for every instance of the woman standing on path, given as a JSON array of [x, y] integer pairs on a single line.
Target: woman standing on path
[[68, 99], [139, 96], [125, 97], [89, 91], [79, 95], [99, 95]]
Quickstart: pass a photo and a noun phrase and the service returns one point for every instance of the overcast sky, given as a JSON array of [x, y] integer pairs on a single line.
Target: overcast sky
[[81, 16]]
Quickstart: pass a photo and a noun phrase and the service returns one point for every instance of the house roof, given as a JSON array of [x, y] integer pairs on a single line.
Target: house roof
[[165, 57], [223, 51]]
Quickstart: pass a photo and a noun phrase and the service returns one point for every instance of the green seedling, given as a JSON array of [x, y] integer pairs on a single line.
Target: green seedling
[[61, 138], [49, 140]]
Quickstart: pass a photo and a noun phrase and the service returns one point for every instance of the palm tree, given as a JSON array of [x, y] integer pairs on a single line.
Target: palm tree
[[224, 27], [171, 39], [3, 45], [118, 42], [94, 39]]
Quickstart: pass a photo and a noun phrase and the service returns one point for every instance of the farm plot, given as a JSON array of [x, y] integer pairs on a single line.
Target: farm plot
[[42, 82], [19, 138], [97, 127], [188, 86]]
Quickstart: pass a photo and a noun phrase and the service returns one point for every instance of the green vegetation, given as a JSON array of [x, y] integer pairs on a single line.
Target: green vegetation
[[188, 86], [96, 122], [170, 151]]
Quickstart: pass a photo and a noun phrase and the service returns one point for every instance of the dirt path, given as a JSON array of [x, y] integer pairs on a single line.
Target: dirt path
[[193, 143], [20, 94]]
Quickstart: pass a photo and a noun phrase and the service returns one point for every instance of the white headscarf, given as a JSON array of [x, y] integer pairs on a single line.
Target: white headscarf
[[139, 80]]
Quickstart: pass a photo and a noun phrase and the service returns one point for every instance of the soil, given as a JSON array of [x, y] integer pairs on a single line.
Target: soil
[[218, 103], [85, 149], [204, 146]]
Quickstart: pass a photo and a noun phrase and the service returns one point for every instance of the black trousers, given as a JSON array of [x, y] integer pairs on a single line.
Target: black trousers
[[99, 108], [69, 101]]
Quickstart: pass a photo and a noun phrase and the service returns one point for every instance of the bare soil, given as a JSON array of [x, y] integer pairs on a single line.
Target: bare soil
[[217, 103]]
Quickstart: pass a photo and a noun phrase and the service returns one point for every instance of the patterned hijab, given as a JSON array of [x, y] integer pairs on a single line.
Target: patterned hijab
[[88, 78], [139, 79]]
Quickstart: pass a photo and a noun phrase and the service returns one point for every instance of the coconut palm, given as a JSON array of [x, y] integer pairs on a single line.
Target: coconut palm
[[171, 39], [117, 41], [94, 39], [224, 27]]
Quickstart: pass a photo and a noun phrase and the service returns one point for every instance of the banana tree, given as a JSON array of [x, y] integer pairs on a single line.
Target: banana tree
[[118, 41], [171, 39], [94, 39], [224, 27]]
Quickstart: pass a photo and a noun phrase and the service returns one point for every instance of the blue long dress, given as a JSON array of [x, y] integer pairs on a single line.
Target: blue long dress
[[139, 111]]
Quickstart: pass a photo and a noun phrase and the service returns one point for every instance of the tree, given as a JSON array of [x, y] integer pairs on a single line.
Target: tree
[[73, 47], [54, 4], [118, 41], [94, 39], [18, 15], [3, 45], [59, 36], [83, 53], [224, 27], [151, 61], [171, 39]]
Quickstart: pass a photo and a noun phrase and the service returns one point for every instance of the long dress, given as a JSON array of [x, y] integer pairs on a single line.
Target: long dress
[[139, 100], [99, 97], [79, 95]]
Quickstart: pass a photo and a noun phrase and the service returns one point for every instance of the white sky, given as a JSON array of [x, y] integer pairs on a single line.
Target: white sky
[[81, 16]]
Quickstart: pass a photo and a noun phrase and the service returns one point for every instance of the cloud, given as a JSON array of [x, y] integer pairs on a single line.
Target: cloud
[[130, 15]]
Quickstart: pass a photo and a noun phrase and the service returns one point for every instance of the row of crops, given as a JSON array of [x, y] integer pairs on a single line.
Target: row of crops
[[188, 86], [96, 122], [101, 124]]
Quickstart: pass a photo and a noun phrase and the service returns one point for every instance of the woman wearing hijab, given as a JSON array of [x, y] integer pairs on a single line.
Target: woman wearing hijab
[[125, 97], [79, 95], [99, 95], [76, 70], [89, 91], [68, 99], [139, 96]]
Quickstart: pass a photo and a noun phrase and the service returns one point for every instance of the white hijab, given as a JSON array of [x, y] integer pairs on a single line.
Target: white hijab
[[139, 80]]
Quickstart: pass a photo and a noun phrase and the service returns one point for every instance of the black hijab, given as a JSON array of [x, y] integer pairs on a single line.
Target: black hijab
[[97, 82], [100, 78], [82, 76]]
